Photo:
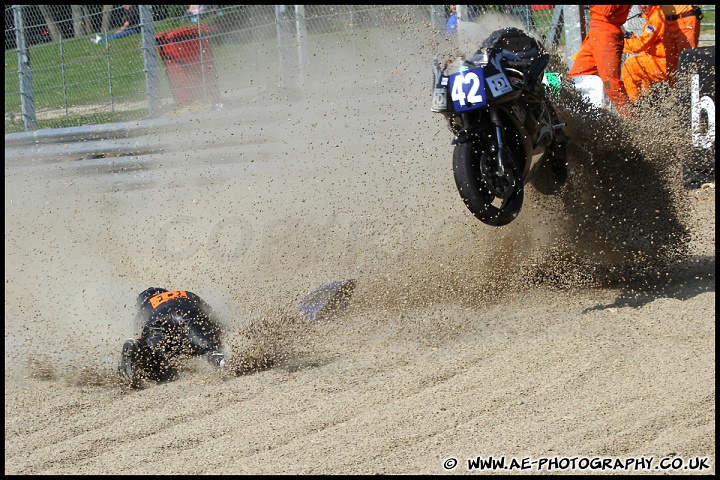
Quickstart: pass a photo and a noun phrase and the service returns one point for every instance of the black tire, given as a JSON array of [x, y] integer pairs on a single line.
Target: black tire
[[475, 193]]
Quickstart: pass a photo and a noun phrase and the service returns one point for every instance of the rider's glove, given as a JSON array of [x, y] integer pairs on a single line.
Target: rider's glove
[[628, 34]]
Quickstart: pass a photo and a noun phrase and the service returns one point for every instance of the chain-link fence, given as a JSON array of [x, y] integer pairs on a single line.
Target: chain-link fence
[[68, 65]]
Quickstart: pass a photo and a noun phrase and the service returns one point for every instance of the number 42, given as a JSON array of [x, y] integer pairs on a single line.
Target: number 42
[[458, 93]]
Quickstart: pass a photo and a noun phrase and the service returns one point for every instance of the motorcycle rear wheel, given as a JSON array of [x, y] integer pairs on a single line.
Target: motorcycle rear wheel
[[474, 190]]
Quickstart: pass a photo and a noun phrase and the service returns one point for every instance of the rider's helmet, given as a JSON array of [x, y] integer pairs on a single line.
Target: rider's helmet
[[516, 41], [147, 295], [522, 57]]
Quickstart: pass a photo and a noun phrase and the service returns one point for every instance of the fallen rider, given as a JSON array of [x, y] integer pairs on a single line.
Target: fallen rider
[[175, 324]]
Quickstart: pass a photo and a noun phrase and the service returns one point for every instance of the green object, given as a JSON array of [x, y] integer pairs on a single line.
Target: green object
[[552, 80]]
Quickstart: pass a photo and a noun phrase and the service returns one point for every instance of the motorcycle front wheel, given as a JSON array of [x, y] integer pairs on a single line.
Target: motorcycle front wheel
[[479, 190]]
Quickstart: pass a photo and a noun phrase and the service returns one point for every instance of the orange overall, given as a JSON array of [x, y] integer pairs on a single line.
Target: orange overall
[[601, 51], [648, 67], [682, 30]]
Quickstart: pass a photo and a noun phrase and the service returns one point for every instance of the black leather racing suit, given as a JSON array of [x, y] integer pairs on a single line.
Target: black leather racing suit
[[175, 323]]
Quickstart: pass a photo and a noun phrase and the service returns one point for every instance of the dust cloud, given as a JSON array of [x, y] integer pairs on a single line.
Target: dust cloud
[[369, 195]]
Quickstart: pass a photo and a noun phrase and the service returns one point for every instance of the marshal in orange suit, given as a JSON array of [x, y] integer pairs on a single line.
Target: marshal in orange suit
[[682, 30], [601, 51], [648, 66]]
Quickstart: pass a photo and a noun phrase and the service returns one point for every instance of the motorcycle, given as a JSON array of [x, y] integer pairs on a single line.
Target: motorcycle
[[506, 132]]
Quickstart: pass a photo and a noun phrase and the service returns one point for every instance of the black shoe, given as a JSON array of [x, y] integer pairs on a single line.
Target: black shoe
[[129, 361], [216, 359]]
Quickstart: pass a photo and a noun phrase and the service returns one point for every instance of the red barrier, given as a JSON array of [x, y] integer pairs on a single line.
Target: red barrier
[[189, 63]]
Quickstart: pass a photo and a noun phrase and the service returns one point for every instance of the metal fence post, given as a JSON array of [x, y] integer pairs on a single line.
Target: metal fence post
[[109, 74], [64, 77], [574, 30], [463, 15], [202, 60], [301, 32], [553, 37], [27, 95], [283, 38], [149, 49], [438, 17]]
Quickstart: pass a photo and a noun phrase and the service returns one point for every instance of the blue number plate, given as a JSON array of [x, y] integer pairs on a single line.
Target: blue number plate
[[467, 89]]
